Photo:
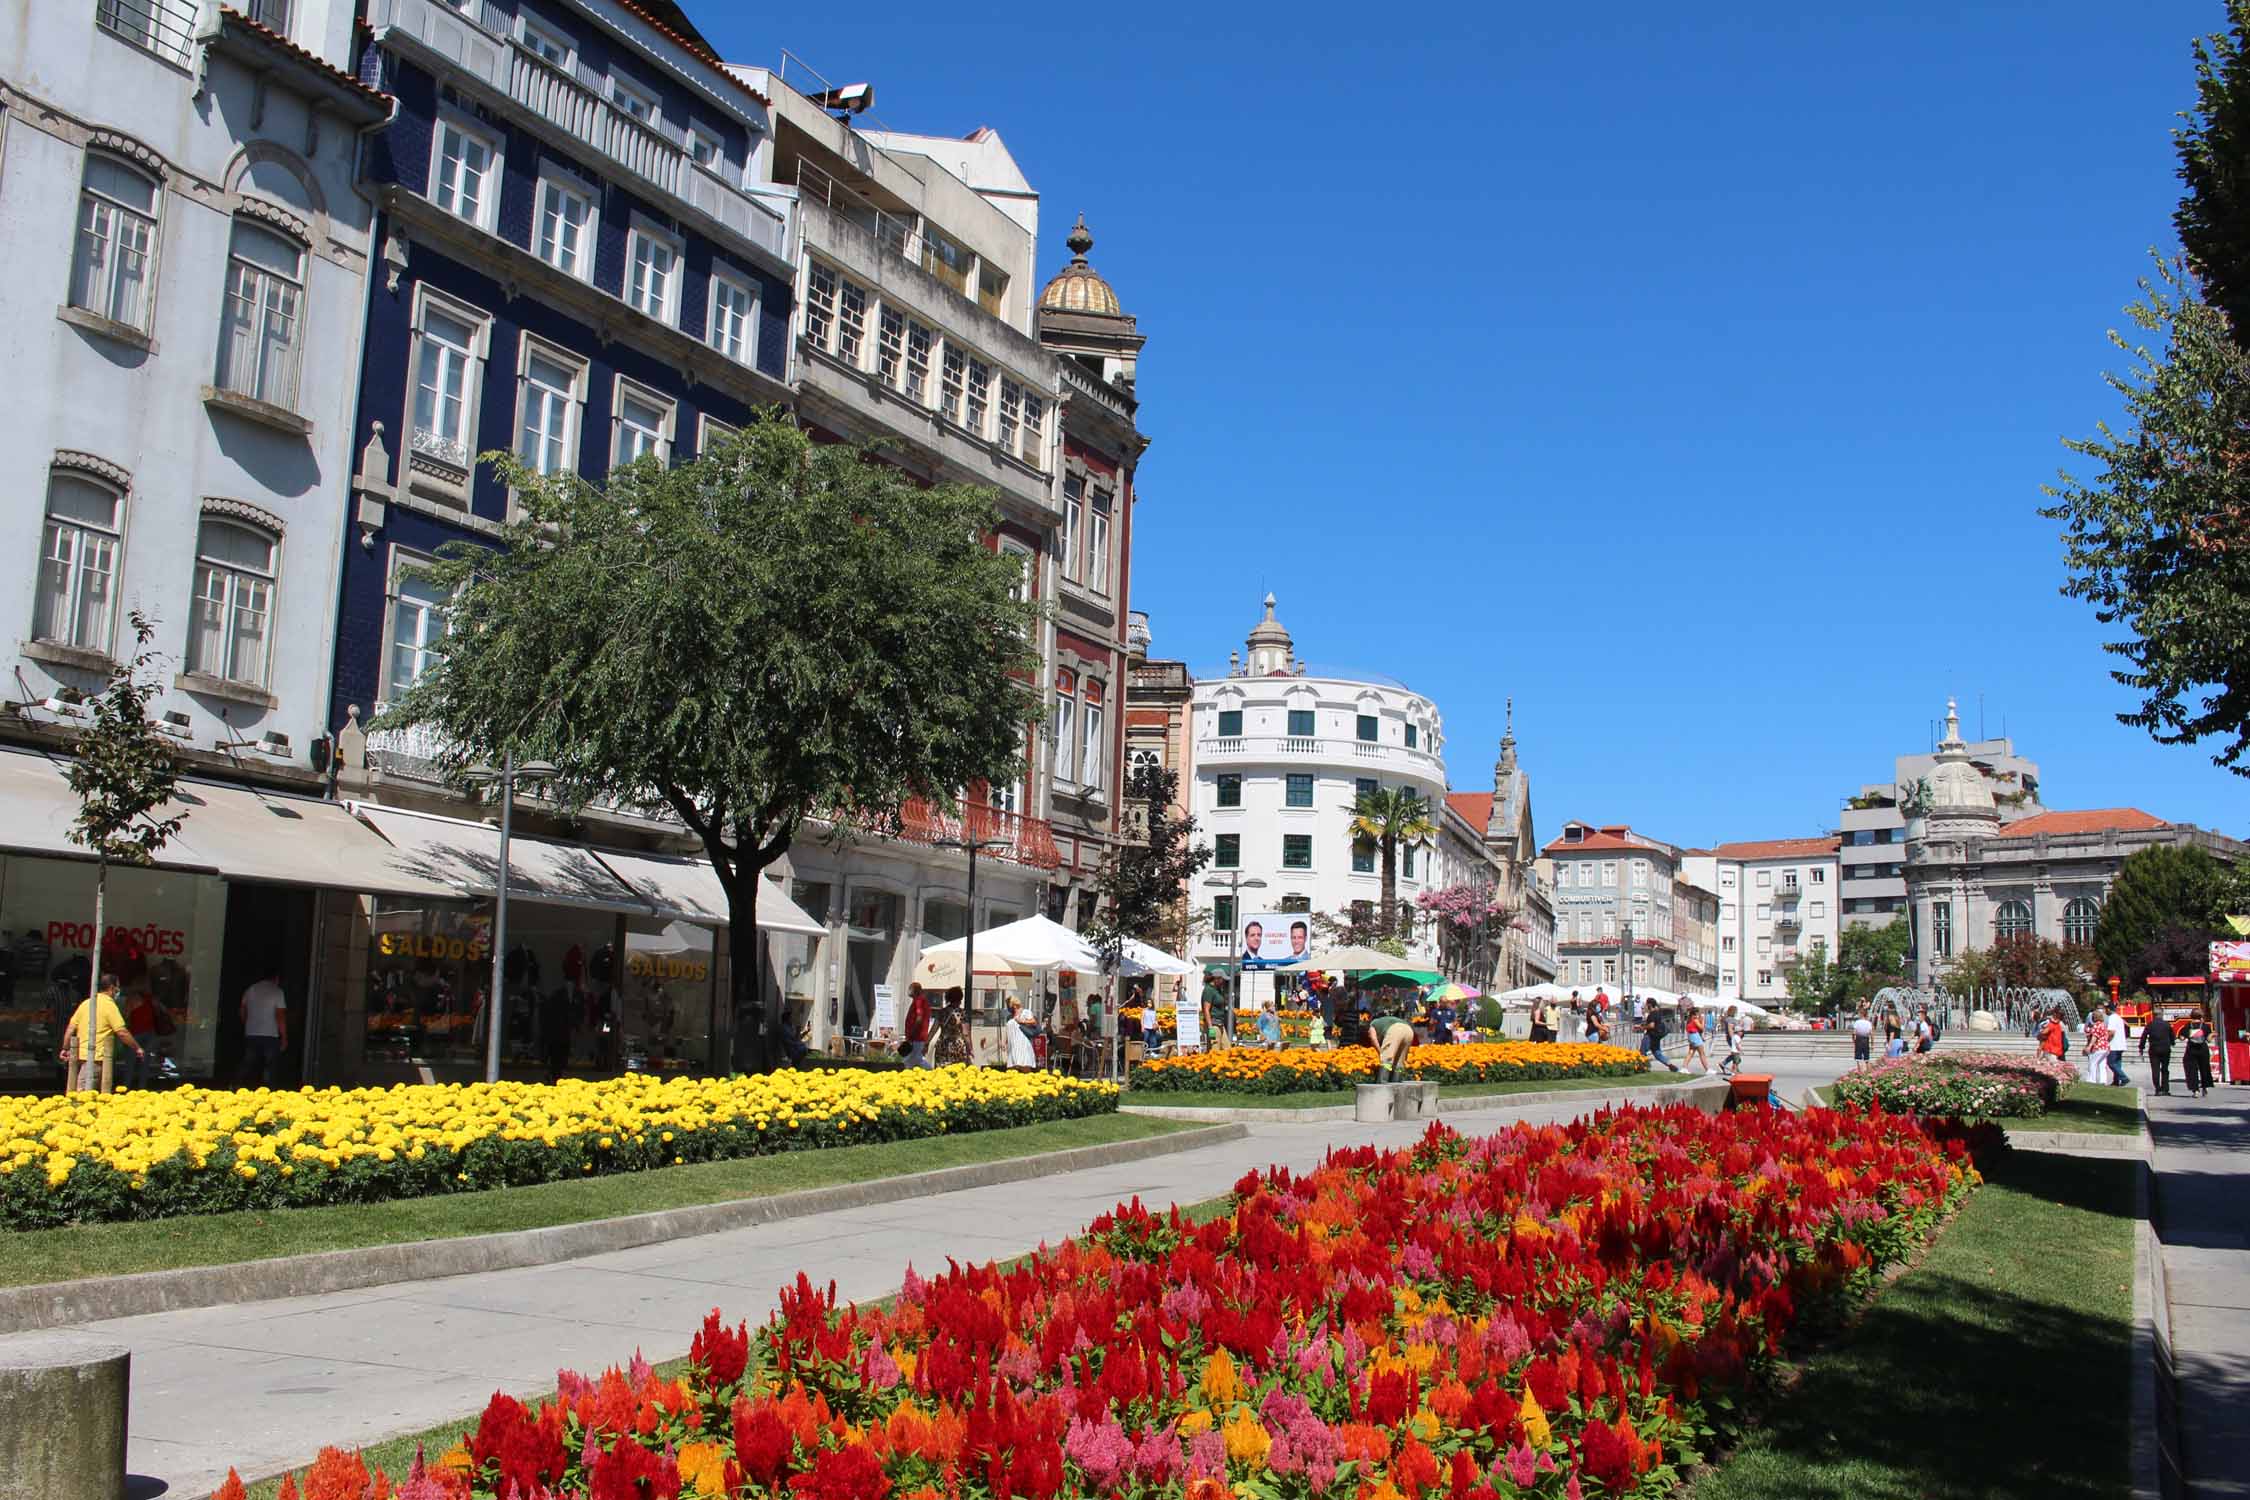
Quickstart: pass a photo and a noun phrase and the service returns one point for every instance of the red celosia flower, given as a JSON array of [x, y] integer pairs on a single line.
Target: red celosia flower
[[762, 1444], [336, 1475], [527, 1451], [631, 1472], [721, 1355], [842, 1474]]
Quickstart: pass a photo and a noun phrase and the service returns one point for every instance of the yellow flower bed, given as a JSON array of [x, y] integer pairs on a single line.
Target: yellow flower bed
[[74, 1158], [1249, 1071]]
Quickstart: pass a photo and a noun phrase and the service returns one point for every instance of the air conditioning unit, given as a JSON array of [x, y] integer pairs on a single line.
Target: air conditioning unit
[[63, 708], [174, 723], [274, 744]]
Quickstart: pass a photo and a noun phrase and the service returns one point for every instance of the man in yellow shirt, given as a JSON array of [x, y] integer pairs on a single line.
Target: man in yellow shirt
[[107, 1027]]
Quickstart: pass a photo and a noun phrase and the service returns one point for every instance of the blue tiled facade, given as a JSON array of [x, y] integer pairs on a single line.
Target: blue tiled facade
[[627, 343]]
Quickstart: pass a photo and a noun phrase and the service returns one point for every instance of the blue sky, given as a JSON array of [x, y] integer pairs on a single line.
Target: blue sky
[[1688, 373]]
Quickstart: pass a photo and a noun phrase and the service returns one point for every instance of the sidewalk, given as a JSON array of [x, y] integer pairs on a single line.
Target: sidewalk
[[2202, 1167], [262, 1386]]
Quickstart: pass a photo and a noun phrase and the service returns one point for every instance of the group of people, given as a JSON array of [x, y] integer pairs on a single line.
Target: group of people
[[2103, 1037], [1901, 1033]]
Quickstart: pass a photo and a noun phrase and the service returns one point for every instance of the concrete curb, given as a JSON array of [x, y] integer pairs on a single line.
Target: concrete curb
[[55, 1304], [1280, 1115], [2080, 1142], [2153, 1450]]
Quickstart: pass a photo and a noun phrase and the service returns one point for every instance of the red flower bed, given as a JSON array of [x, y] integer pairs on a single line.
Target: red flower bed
[[1550, 1311]]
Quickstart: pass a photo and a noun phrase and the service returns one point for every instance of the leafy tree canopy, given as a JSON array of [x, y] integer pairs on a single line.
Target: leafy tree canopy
[[1869, 958], [1143, 884], [2158, 893], [1815, 984], [124, 771], [2214, 145]]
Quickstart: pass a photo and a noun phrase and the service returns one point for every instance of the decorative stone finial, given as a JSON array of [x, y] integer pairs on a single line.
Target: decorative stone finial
[[1081, 240]]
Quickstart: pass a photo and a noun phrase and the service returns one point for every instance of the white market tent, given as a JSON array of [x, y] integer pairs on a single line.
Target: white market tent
[[1532, 994], [1034, 943], [1146, 958]]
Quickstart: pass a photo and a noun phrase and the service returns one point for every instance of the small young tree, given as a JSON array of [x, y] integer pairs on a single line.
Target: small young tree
[[778, 631], [1470, 921], [1143, 884], [1391, 817], [1816, 985], [123, 775], [1871, 958], [2156, 893]]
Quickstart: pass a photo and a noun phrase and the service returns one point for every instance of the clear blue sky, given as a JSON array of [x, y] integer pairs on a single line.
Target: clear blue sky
[[1689, 373]]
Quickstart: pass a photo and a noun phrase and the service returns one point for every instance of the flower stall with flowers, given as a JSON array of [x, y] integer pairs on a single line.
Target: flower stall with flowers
[[82, 1158], [1559, 1311], [1293, 1071]]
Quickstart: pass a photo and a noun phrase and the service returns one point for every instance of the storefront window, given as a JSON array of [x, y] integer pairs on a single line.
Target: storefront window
[[429, 964], [162, 939]]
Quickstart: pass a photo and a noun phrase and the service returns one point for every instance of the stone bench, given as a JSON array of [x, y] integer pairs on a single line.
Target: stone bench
[[1380, 1103], [62, 1418]]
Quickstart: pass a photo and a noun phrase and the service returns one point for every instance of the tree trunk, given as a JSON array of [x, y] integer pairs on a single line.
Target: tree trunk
[[745, 973], [1388, 925], [93, 1026]]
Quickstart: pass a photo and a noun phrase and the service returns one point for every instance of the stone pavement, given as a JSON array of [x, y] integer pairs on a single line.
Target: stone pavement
[[262, 1386], [2202, 1205]]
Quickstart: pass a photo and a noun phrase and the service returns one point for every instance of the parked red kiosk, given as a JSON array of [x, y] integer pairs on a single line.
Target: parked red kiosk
[[2230, 1011]]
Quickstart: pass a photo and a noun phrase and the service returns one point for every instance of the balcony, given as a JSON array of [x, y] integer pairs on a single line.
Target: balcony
[[473, 39], [1024, 840], [1789, 892], [1786, 921], [1348, 756]]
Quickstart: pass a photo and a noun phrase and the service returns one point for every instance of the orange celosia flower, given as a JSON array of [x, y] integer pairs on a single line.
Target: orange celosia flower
[[1196, 1421], [455, 1458], [288, 1490], [703, 1469], [231, 1489], [1536, 1428], [1449, 1399], [1221, 1386], [335, 1475], [1363, 1441], [1247, 1440]]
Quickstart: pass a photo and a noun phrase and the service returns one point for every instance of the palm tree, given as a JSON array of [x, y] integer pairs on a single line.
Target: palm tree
[[1388, 817]]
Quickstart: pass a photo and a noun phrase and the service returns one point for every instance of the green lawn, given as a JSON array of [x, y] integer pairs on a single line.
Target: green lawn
[[1327, 1098], [2091, 1108], [39, 1255], [1996, 1370]]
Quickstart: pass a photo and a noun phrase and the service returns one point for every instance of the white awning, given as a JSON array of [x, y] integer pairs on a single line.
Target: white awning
[[465, 857], [688, 890], [233, 831]]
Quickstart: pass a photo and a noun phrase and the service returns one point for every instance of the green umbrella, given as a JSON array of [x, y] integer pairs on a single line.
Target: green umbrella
[[1401, 976]]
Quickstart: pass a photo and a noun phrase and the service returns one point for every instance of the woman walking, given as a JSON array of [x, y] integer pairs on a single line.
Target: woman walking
[[1693, 1029], [2097, 1047], [2195, 1056]]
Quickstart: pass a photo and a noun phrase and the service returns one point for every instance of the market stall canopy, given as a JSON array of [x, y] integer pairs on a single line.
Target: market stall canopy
[[466, 857], [233, 831], [1532, 994], [1032, 943], [1345, 961], [1147, 958], [684, 889]]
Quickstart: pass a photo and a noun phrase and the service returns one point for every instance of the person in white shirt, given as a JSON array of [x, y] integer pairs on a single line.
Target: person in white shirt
[[1863, 1037], [2117, 1040], [265, 1028]]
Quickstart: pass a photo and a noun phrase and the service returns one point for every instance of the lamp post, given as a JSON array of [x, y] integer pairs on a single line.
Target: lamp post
[[1235, 885], [969, 953], [505, 779]]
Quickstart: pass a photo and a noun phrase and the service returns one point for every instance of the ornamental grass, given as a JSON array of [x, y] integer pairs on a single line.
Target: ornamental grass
[[1250, 1071], [1558, 1311], [80, 1158], [1959, 1085]]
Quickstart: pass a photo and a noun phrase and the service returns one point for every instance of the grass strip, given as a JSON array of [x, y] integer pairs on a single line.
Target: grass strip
[[1998, 1369], [41, 1255], [1329, 1098]]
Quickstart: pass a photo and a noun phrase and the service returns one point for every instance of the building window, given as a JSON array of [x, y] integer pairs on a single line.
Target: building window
[[915, 382], [1765, 911], [980, 395], [1093, 766], [945, 260], [1816, 910], [2012, 920], [644, 425], [547, 426], [1413, 736], [549, 47], [714, 433], [1300, 723], [1726, 945], [734, 319], [1367, 729], [1819, 875], [1074, 522], [1011, 414], [1230, 789], [1765, 877], [1941, 928], [992, 290], [1097, 545], [851, 321], [233, 611], [2081, 916], [820, 306], [78, 564], [461, 173], [1765, 979], [703, 150], [164, 27], [564, 235], [953, 383], [1363, 857], [1222, 915], [261, 323], [448, 342], [890, 345], [1226, 851], [1362, 787], [1296, 851], [1299, 790], [418, 623], [1609, 867], [1027, 572], [1230, 723], [1033, 449], [1066, 735], [641, 106], [1406, 861], [113, 265], [652, 274], [1765, 946]]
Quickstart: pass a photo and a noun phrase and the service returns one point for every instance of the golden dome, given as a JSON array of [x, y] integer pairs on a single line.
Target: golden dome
[[1078, 287]]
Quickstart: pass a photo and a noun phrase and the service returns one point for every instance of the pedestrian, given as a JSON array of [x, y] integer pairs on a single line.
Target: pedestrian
[[141, 1017], [1319, 1034], [1269, 1028], [1653, 1033], [2195, 1056], [1442, 1021], [1863, 1038], [2156, 1045], [1022, 1030], [1597, 1023], [2097, 1047], [1539, 1020], [1925, 1035], [1215, 1005], [2054, 1037], [1893, 1046], [2117, 1040], [917, 1052], [91, 1031], [1692, 1028], [265, 1028], [1730, 1028], [1394, 1039]]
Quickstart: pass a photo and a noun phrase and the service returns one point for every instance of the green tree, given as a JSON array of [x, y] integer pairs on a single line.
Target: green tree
[[1815, 984], [1388, 817], [2158, 540], [2158, 892], [124, 775], [776, 632], [1870, 958], [2214, 145], [2024, 961], [1142, 886]]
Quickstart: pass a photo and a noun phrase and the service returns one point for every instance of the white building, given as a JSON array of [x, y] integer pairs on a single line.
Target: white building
[[1777, 905], [1281, 755], [1612, 896], [187, 260]]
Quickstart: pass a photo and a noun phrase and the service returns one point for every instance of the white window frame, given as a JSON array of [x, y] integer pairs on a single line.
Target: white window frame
[[921, 348], [94, 552], [426, 299], [543, 41], [620, 91], [1027, 587], [953, 382], [488, 196], [1066, 738], [709, 430], [103, 219], [404, 565], [1093, 767], [1010, 416], [265, 307], [745, 349], [979, 403], [574, 400], [636, 286], [821, 281], [1098, 513], [239, 595], [697, 137], [852, 301], [1074, 522], [553, 181], [890, 345], [617, 425]]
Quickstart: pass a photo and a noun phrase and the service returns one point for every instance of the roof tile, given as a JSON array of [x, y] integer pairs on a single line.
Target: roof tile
[[1778, 849], [2091, 820]]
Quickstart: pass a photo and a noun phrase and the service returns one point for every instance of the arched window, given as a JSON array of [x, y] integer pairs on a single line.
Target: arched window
[[113, 265], [2080, 917], [231, 631], [2013, 919], [78, 564], [261, 322]]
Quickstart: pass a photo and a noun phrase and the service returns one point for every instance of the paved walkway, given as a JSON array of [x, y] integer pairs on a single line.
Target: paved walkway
[[2203, 1221], [263, 1385]]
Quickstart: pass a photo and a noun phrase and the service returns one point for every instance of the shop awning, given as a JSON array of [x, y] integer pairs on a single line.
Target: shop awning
[[464, 857], [233, 831], [688, 890]]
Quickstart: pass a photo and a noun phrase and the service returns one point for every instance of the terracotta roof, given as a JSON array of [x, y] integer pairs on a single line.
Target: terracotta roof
[[1777, 849], [694, 45], [273, 38], [1595, 840], [2092, 820], [1474, 806]]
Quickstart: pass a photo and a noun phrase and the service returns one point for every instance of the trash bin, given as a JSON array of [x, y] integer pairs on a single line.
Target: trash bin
[[1751, 1090]]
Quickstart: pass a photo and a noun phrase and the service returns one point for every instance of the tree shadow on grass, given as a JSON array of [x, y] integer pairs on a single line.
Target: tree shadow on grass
[[2097, 1184]]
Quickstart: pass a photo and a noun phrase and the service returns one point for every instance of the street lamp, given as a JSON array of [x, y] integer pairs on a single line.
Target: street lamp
[[1235, 885], [969, 953], [505, 779]]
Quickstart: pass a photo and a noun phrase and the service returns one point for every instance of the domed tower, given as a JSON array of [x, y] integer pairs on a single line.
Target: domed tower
[[1080, 317], [1959, 803], [1272, 653]]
